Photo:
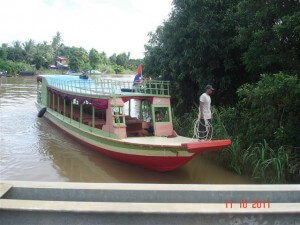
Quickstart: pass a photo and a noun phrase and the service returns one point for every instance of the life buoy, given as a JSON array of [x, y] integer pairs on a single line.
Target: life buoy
[[42, 112]]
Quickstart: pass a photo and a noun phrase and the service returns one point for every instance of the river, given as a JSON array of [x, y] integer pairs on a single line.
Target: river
[[32, 149]]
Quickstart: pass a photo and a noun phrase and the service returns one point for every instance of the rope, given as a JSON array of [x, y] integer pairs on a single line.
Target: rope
[[207, 133]]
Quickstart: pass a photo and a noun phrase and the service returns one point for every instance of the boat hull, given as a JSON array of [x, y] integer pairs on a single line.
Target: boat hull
[[157, 163], [156, 158]]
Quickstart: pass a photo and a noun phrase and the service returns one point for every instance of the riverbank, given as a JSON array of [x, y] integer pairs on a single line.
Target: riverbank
[[264, 133], [10, 69]]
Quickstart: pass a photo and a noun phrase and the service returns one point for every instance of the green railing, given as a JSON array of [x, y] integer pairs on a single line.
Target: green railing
[[108, 87]]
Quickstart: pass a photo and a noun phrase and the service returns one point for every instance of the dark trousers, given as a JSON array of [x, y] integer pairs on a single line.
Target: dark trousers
[[203, 130]]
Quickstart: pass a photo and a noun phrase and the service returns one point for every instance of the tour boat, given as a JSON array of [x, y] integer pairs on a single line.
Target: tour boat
[[92, 111]]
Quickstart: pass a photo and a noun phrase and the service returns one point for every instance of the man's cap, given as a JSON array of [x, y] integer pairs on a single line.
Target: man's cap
[[209, 87]]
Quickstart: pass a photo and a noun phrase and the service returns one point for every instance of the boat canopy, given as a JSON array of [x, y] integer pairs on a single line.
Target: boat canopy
[[73, 85]]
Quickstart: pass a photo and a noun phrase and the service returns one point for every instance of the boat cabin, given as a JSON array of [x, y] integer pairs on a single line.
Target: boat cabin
[[109, 108]]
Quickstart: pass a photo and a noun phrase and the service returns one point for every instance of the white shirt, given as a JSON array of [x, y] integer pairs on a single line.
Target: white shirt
[[205, 98]]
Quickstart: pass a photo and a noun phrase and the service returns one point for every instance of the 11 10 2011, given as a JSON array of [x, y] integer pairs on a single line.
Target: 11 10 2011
[[255, 204]]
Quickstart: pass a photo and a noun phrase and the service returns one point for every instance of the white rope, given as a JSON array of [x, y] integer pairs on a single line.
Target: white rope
[[207, 133]]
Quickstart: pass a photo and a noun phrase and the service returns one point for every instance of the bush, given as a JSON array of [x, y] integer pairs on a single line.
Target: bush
[[13, 68], [263, 127], [269, 110]]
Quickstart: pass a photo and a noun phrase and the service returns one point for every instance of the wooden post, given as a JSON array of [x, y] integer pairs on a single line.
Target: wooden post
[[141, 110], [129, 107], [71, 110], [58, 104], [64, 107], [49, 99], [80, 120], [153, 119], [93, 116], [53, 101]]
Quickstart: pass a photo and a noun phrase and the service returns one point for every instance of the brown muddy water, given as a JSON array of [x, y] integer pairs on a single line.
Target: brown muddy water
[[32, 149]]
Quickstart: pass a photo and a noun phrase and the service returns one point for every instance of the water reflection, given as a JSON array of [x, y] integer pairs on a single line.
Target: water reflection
[[34, 149]]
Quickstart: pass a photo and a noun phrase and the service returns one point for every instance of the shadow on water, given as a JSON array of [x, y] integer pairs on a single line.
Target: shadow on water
[[34, 149]]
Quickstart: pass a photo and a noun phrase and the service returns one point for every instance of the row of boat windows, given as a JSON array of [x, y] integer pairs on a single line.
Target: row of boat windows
[[141, 125], [57, 104]]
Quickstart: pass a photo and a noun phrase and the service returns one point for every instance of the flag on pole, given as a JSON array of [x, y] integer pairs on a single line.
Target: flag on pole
[[138, 75]]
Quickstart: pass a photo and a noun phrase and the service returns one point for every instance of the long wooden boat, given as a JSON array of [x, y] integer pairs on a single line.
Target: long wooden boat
[[92, 111]]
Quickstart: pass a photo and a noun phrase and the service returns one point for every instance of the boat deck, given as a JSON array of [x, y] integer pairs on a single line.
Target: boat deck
[[174, 141]]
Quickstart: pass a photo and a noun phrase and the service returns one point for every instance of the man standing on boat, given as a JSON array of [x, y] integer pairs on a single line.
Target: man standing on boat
[[205, 113]]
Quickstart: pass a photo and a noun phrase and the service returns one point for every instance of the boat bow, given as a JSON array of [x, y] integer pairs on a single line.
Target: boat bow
[[206, 146]]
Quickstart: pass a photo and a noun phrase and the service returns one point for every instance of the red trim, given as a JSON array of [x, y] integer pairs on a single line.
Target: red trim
[[157, 163], [206, 146]]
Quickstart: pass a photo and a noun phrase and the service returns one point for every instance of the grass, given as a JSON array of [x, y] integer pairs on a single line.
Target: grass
[[266, 164], [269, 165]]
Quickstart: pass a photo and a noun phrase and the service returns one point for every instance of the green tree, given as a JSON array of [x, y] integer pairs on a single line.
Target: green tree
[[123, 59], [103, 58], [29, 48], [43, 55], [270, 110], [4, 51], [194, 47], [269, 35], [79, 60], [16, 52], [94, 58], [56, 42], [113, 58]]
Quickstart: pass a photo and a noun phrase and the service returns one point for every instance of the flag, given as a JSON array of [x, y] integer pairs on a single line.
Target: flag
[[138, 75]]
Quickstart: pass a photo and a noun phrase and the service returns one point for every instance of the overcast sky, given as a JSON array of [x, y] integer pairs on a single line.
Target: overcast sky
[[113, 26]]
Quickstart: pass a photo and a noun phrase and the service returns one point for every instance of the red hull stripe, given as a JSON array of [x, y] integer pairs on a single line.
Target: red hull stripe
[[157, 163]]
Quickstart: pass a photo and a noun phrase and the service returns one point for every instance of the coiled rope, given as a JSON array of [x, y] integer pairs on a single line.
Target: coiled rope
[[205, 134]]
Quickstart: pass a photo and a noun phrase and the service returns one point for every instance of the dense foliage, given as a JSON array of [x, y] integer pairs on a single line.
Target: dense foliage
[[225, 43], [263, 126], [267, 132], [40, 56], [229, 44]]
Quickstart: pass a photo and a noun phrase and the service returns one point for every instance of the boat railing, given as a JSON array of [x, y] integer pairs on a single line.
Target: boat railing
[[109, 87]]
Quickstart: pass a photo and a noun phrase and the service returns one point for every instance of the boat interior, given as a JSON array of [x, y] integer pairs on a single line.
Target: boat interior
[[134, 127]]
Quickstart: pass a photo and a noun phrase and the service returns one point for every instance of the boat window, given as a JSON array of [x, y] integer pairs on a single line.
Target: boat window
[[118, 115], [161, 114], [145, 113]]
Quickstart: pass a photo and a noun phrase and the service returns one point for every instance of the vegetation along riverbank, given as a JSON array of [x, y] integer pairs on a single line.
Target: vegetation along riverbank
[[249, 51], [31, 57]]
